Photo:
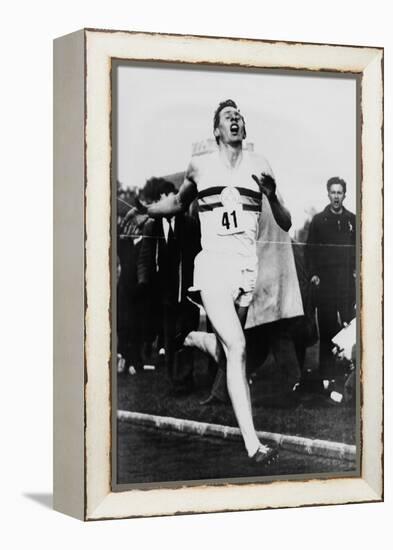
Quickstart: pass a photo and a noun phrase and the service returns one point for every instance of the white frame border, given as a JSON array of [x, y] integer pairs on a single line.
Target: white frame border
[[101, 47]]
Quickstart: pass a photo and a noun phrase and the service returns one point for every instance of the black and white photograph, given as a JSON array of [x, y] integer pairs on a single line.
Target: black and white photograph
[[236, 339], [211, 375]]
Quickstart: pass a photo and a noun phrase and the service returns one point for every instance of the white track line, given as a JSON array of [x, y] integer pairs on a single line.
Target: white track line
[[304, 445]]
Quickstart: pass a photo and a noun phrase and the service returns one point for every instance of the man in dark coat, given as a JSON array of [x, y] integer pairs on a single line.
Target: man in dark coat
[[128, 329], [331, 254], [166, 264]]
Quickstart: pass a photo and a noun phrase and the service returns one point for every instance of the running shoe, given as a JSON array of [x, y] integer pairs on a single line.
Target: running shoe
[[265, 455]]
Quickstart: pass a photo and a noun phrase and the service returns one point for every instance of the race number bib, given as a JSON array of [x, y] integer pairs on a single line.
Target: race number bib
[[229, 218]]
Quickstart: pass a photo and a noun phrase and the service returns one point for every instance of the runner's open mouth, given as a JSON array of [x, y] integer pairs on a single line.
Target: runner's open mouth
[[234, 128]]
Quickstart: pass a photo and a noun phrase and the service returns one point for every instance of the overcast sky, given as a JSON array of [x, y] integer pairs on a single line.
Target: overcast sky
[[304, 125]]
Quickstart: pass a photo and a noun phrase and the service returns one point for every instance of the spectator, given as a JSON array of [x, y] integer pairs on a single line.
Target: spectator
[[331, 254], [166, 265], [134, 311]]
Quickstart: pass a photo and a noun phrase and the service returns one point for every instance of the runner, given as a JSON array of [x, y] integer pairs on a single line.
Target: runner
[[228, 184]]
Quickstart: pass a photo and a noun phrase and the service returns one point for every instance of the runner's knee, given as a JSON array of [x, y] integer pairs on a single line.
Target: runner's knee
[[236, 348]]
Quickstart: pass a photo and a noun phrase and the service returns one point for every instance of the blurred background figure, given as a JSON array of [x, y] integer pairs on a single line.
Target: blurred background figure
[[135, 310], [345, 352]]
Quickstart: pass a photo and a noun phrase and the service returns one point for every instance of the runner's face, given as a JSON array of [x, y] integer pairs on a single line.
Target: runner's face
[[231, 126], [336, 196]]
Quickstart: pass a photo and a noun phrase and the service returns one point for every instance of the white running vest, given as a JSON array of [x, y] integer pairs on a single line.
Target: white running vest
[[229, 202]]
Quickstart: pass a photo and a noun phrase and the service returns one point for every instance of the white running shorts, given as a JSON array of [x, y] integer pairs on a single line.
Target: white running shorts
[[224, 272]]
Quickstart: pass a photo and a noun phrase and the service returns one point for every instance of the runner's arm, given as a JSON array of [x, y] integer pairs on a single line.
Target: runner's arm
[[175, 203], [280, 213], [268, 187], [167, 206]]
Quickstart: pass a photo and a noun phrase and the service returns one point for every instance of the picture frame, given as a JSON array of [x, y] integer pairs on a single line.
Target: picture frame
[[83, 273]]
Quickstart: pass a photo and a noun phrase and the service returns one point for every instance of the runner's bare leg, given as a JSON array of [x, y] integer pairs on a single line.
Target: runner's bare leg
[[208, 342], [242, 314], [221, 311]]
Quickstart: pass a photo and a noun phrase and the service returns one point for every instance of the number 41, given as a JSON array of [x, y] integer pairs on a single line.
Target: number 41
[[226, 222]]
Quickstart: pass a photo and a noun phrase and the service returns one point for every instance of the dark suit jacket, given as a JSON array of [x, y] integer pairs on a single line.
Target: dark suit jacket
[[166, 268], [331, 243], [331, 254]]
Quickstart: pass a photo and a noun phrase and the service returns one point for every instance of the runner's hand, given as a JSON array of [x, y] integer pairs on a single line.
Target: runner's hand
[[266, 184], [315, 280]]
